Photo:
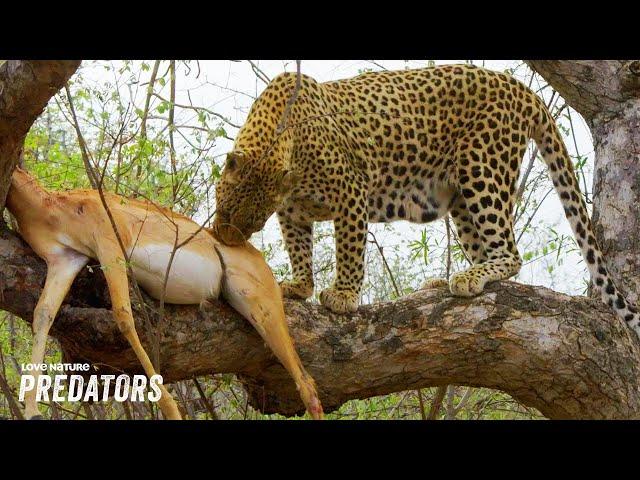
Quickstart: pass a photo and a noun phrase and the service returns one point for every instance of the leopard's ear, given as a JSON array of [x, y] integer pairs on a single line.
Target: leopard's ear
[[288, 179], [235, 160]]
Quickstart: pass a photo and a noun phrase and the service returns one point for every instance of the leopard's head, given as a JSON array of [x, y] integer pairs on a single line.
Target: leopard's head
[[248, 193]]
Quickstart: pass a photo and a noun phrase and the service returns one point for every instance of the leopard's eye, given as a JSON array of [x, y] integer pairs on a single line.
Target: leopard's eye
[[234, 160]]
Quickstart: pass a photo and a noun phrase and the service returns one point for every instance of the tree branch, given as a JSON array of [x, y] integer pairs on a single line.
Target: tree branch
[[592, 87], [569, 357]]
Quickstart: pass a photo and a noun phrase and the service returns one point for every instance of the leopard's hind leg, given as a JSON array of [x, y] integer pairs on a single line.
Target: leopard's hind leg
[[467, 232], [468, 237], [488, 191]]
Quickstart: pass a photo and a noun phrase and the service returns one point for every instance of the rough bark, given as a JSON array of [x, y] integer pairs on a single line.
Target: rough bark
[[569, 357], [26, 86], [607, 94]]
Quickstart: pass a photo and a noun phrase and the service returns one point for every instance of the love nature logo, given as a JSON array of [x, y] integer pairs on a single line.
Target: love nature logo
[[53, 382]]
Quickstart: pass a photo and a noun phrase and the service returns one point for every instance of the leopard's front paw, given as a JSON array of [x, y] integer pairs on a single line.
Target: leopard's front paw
[[434, 283], [339, 301], [296, 290], [466, 284]]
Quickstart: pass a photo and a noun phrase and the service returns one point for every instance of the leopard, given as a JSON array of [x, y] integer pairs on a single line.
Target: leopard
[[384, 146]]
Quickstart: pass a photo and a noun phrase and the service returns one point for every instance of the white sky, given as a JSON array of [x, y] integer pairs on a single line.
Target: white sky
[[216, 88]]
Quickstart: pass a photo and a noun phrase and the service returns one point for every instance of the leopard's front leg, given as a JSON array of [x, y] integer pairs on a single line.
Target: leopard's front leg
[[350, 235], [298, 239]]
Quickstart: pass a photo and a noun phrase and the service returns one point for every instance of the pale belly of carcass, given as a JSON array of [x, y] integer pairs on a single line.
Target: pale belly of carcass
[[193, 277]]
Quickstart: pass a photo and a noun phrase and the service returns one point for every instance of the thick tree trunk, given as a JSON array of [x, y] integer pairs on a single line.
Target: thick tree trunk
[[569, 357], [607, 94], [26, 87]]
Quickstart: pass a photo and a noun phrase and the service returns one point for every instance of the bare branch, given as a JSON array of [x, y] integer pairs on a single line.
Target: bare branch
[[259, 73], [192, 107], [84, 151], [292, 99]]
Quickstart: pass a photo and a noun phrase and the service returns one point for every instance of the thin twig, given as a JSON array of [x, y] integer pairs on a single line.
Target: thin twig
[[193, 107], [6, 390], [382, 67], [259, 73], [93, 179], [386, 265], [463, 401], [205, 400], [145, 114], [448, 226], [294, 95]]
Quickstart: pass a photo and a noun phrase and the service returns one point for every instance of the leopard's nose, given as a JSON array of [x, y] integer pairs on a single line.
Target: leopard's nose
[[222, 216], [227, 233]]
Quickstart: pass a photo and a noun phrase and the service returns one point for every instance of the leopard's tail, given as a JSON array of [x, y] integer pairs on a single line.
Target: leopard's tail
[[553, 150]]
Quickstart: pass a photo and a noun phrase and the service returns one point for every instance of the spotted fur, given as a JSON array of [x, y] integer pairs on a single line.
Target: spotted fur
[[400, 145]]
